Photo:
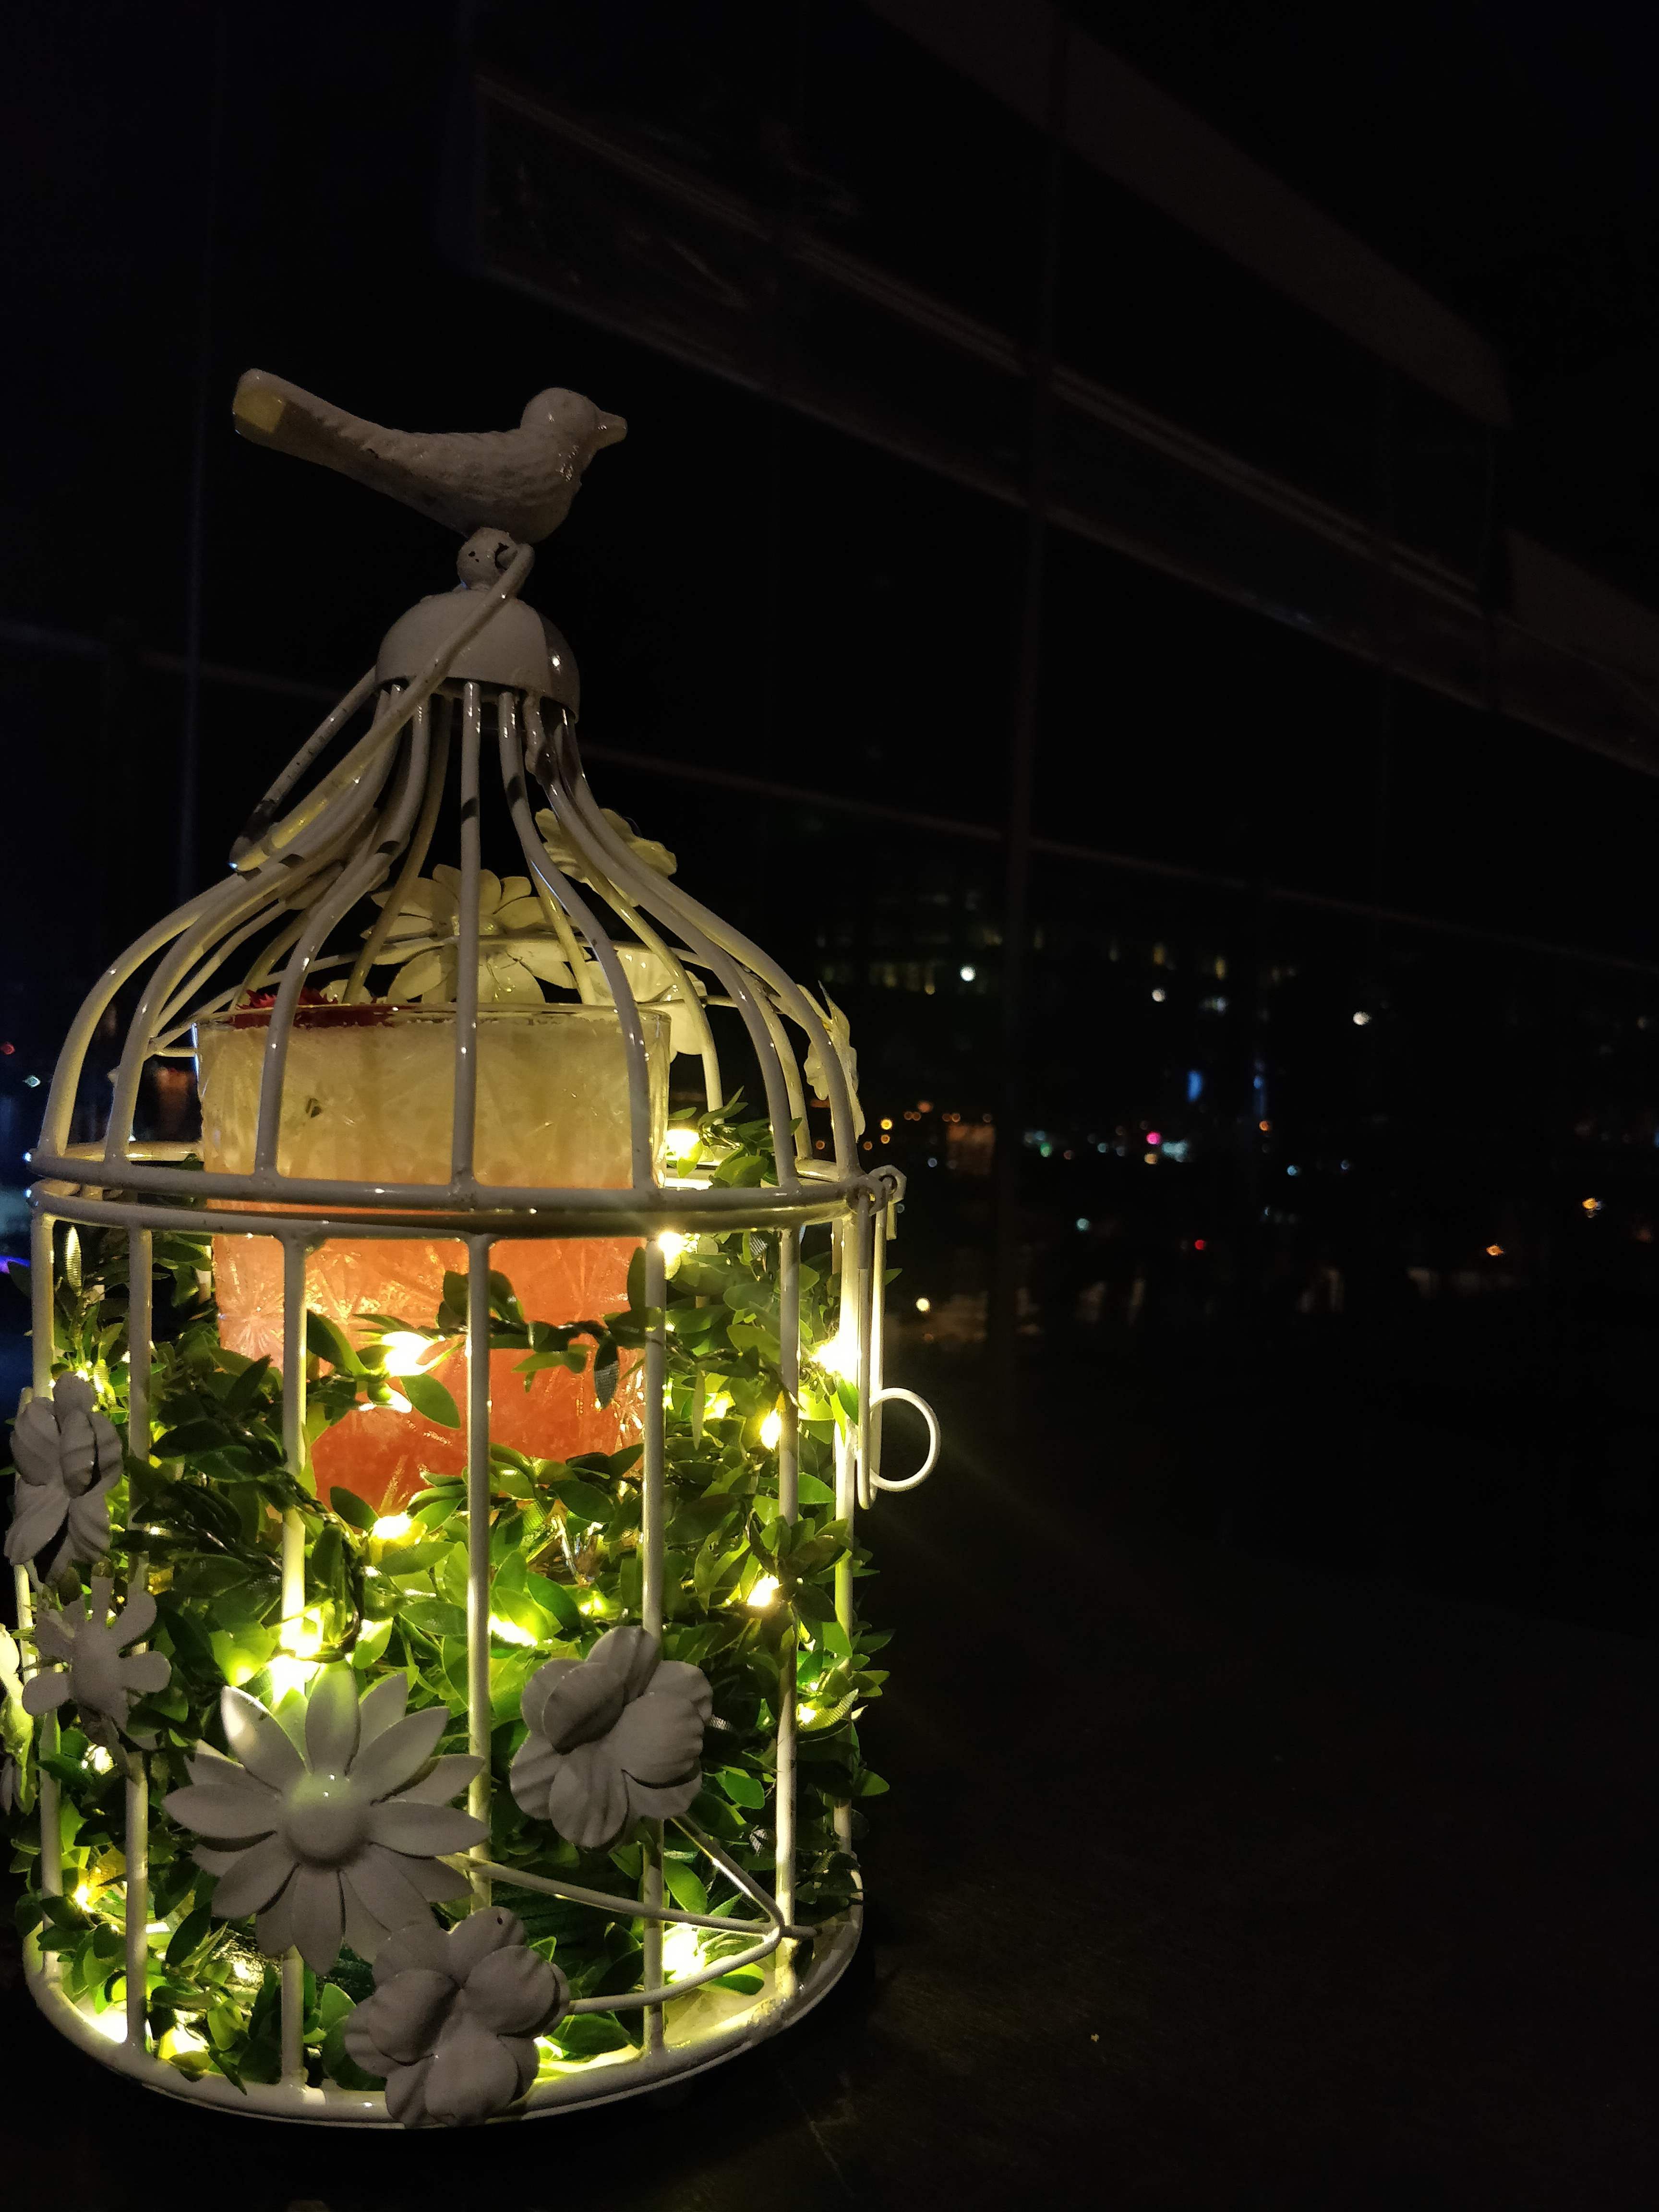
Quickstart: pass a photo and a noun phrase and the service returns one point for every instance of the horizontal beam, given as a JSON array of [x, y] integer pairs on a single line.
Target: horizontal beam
[[1122, 124], [33, 636], [573, 214]]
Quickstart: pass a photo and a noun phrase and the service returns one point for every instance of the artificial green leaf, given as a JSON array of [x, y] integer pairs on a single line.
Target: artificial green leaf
[[429, 1397]]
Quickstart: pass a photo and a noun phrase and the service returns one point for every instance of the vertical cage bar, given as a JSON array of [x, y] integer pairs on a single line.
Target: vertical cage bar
[[293, 1583], [848, 1243], [651, 1595], [477, 1503], [462, 1131], [788, 1510], [865, 1233], [42, 1287], [879, 1218], [136, 1844]]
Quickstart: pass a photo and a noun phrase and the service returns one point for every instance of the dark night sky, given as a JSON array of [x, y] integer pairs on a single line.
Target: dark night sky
[[721, 560]]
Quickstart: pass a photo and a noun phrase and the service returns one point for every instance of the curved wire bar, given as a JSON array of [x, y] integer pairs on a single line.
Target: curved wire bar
[[352, 884], [587, 822], [416, 695], [564, 895], [688, 916], [419, 845], [265, 812]]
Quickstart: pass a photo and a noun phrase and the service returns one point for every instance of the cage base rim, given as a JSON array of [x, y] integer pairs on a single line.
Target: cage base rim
[[292, 2106]]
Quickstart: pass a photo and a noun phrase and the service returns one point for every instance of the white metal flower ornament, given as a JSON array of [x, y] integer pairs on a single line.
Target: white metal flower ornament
[[841, 1037], [15, 1724], [614, 1738], [94, 1670], [68, 1459], [452, 2025], [573, 857], [517, 951], [337, 1844], [654, 984]]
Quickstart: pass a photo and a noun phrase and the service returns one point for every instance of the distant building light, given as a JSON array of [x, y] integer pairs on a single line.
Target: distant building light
[[1148, 1159], [1360, 1017], [966, 974], [1175, 1149], [31, 1082], [1083, 1221], [924, 1105], [1154, 1137], [1199, 1244], [924, 1305], [1290, 1170], [1159, 996], [1592, 1206], [1264, 1126], [1194, 1086], [932, 1161], [887, 1122], [1045, 1151], [1107, 1148], [1494, 1251]]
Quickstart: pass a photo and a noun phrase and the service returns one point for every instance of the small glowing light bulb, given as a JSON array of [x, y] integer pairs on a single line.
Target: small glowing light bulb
[[924, 1305], [682, 1144], [673, 1244], [508, 1631], [771, 1430], [392, 1527], [406, 1353], [839, 1356], [966, 974], [681, 1950], [765, 1589]]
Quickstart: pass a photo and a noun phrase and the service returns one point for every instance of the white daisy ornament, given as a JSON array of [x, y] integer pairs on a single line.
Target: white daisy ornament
[[517, 950], [341, 1841], [572, 861], [93, 1669]]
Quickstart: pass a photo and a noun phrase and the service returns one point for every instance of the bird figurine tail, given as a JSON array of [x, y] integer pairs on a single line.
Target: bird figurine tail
[[520, 481]]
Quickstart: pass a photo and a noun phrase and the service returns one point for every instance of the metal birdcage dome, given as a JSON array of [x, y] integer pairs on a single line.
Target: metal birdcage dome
[[245, 1636]]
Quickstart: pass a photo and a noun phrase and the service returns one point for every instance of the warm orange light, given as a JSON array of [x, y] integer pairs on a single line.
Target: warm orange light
[[1494, 1251], [1264, 1126]]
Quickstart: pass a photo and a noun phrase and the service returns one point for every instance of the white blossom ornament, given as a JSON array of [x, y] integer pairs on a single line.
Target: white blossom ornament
[[655, 986], [95, 1671], [517, 951], [339, 1844], [68, 1459], [16, 1725], [572, 860], [452, 2025], [840, 1039], [614, 1738]]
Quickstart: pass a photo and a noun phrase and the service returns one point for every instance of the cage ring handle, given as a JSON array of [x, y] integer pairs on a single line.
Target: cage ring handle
[[883, 1397]]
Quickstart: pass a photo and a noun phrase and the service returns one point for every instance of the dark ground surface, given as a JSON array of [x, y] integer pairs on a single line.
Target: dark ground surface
[[1206, 1881]]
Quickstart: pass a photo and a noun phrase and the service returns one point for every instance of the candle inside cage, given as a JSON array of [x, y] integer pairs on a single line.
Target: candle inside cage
[[368, 1096]]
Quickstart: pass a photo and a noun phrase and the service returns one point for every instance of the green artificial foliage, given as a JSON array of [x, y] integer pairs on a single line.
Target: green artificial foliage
[[200, 1520]]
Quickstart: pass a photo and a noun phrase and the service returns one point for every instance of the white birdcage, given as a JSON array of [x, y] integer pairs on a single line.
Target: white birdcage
[[451, 1175]]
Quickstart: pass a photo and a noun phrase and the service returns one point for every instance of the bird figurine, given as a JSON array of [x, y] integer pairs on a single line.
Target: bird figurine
[[520, 481]]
